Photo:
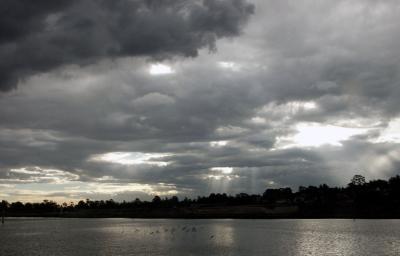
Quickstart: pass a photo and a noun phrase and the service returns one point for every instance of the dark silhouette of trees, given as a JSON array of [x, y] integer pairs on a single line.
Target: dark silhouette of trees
[[278, 195], [156, 200], [4, 205], [358, 180], [373, 199]]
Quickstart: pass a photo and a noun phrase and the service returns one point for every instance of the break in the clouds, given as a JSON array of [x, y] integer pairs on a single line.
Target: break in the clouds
[[124, 99]]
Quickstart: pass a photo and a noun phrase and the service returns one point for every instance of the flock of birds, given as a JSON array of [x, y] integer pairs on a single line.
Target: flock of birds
[[186, 229]]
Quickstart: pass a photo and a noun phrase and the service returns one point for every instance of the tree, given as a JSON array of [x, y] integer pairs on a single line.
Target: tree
[[156, 200], [137, 202], [358, 180], [174, 200], [4, 205]]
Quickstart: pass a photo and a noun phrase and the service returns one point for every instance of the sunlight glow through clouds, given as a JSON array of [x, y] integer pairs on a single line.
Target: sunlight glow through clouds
[[229, 65], [131, 158], [315, 135], [219, 143], [38, 175], [77, 190], [392, 132], [222, 173], [222, 177], [224, 170], [160, 69]]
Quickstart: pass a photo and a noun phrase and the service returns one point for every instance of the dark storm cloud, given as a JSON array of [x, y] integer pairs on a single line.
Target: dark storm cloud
[[20, 18], [38, 36]]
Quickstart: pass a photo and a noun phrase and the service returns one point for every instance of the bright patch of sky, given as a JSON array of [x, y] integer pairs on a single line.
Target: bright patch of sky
[[315, 135], [229, 65], [391, 133], [160, 69], [224, 170], [131, 158]]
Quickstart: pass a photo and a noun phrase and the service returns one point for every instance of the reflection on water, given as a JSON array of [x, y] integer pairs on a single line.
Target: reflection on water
[[222, 234], [30, 236], [347, 237]]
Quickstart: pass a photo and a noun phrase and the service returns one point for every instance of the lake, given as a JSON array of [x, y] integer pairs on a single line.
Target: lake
[[75, 237]]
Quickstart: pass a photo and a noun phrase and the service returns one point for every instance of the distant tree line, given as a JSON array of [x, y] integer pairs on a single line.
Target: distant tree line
[[375, 199]]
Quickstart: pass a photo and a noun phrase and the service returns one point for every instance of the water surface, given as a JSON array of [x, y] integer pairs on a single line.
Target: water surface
[[76, 237]]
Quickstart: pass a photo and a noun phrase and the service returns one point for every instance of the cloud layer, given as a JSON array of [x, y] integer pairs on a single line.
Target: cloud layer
[[40, 36], [298, 93]]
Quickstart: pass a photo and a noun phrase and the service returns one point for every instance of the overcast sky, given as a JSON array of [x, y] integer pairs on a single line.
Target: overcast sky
[[123, 99]]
